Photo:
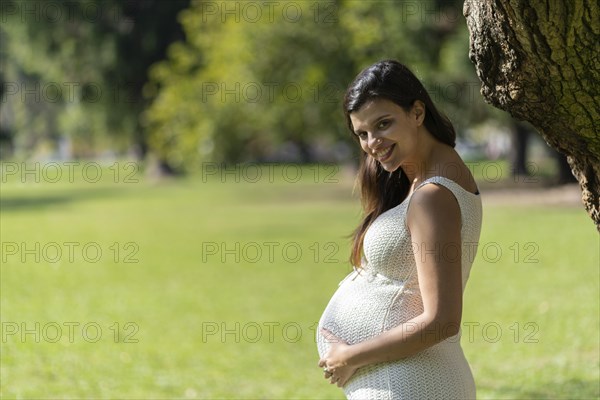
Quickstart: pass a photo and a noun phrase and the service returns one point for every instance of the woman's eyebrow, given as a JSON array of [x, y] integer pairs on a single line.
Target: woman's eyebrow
[[380, 118]]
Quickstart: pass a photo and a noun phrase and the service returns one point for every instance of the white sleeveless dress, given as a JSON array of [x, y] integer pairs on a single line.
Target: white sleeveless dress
[[385, 293]]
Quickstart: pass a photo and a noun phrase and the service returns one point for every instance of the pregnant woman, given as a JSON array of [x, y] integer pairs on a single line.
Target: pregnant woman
[[392, 328]]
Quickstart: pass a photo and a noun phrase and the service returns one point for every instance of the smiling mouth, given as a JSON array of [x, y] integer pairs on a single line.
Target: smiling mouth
[[384, 154]]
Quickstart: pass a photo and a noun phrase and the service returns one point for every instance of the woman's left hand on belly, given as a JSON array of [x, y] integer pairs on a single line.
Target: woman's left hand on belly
[[335, 362]]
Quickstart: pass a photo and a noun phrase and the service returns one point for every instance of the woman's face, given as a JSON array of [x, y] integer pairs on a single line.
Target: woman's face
[[387, 132]]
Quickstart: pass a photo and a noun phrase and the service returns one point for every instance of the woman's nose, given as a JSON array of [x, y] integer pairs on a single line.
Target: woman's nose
[[373, 141]]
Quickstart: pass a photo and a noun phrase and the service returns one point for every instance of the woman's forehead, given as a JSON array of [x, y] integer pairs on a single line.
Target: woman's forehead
[[372, 110]]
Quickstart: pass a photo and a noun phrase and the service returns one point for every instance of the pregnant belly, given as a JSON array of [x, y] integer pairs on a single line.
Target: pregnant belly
[[364, 306]]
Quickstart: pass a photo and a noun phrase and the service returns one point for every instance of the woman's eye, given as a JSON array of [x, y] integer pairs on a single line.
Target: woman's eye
[[362, 135], [383, 124]]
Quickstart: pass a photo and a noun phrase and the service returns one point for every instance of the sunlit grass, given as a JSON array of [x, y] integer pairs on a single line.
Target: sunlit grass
[[210, 288]]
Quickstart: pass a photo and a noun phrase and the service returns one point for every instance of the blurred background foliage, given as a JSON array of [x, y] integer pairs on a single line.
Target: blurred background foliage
[[238, 90], [185, 82], [73, 71]]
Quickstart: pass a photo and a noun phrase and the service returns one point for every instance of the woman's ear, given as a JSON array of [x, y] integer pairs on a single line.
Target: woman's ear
[[419, 111]]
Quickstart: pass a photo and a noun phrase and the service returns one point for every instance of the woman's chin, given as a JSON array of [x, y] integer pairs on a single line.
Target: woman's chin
[[389, 167]]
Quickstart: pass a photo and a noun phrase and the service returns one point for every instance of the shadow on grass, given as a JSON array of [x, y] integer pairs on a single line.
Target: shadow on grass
[[574, 389], [33, 202]]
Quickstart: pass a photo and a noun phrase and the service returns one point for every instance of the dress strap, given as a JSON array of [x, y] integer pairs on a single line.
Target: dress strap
[[448, 183], [434, 179]]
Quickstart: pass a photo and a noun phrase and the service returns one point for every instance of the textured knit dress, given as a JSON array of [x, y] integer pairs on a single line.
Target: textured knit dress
[[385, 293]]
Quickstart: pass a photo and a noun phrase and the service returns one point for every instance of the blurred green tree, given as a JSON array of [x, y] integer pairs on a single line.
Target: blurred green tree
[[250, 77], [246, 81], [73, 71]]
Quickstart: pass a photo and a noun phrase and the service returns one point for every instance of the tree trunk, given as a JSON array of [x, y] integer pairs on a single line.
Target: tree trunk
[[520, 145], [539, 60]]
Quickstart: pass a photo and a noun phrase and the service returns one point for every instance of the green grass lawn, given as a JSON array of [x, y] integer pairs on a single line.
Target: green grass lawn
[[207, 288]]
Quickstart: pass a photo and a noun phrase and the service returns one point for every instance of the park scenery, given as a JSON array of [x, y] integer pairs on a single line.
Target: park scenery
[[177, 194]]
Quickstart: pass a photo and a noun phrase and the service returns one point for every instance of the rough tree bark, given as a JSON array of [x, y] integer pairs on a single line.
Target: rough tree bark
[[540, 61]]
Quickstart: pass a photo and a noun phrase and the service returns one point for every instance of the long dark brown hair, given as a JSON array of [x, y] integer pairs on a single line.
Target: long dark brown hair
[[381, 190]]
